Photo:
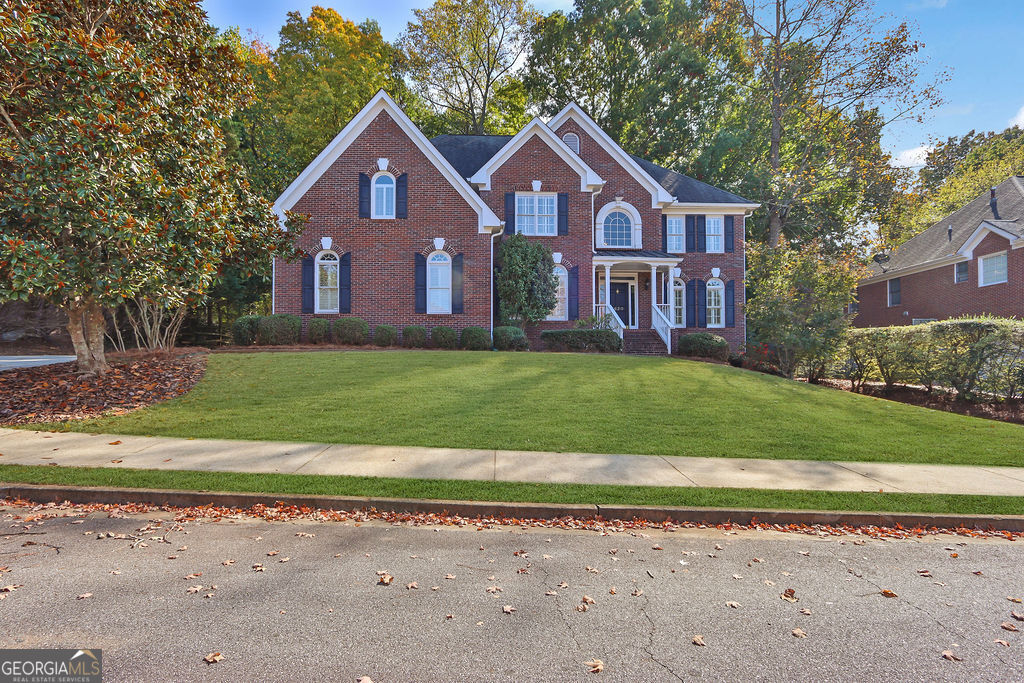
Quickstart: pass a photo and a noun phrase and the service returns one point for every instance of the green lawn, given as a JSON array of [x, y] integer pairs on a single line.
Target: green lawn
[[557, 402], [379, 487]]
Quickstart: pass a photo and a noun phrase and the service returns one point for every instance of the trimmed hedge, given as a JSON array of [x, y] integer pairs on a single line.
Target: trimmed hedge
[[442, 337], [703, 345], [475, 339], [243, 330], [414, 336], [602, 341], [510, 338], [280, 329], [353, 331], [319, 331], [385, 335]]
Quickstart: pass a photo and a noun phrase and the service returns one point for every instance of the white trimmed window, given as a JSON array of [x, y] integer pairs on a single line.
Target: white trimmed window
[[536, 214], [992, 269], [561, 309], [618, 230], [714, 231], [960, 272], [678, 303], [383, 196], [572, 141], [676, 237], [327, 282], [716, 303], [895, 292], [439, 283]]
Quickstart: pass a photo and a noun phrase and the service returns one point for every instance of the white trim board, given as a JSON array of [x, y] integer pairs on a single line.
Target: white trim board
[[980, 233], [379, 103]]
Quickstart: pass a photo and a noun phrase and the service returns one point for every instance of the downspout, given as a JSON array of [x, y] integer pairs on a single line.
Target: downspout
[[593, 250], [745, 217], [273, 285], [496, 233]]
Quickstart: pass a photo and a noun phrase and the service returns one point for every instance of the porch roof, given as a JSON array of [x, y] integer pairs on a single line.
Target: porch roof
[[636, 254]]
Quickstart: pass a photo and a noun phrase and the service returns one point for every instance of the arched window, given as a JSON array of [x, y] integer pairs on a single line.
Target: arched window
[[572, 141], [716, 303], [561, 309], [326, 282], [383, 196], [678, 303], [439, 283], [618, 230]]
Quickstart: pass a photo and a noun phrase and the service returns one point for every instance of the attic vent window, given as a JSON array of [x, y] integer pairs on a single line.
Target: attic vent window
[[572, 141]]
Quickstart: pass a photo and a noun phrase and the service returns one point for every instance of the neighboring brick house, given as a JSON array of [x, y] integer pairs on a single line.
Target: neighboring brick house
[[404, 230], [969, 263]]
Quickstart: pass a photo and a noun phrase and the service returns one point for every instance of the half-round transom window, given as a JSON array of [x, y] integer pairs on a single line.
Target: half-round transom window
[[618, 230]]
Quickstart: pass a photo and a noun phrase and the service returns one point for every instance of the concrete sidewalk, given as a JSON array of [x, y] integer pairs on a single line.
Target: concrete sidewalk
[[106, 450]]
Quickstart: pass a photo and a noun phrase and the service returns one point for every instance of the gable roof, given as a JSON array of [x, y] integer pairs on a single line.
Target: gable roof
[[970, 223], [687, 190], [468, 153], [382, 102]]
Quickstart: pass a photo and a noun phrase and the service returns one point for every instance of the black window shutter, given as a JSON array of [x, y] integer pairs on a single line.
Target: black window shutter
[[730, 303], [457, 284], [574, 293], [664, 232], [402, 196], [421, 283], [563, 213], [510, 213], [345, 283], [702, 303], [364, 195], [308, 283], [691, 303], [702, 234], [729, 230], [691, 240]]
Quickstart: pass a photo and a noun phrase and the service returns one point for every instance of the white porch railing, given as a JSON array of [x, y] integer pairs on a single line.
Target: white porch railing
[[662, 324], [616, 322]]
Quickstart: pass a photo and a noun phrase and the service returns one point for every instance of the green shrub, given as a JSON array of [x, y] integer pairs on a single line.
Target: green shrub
[[973, 353], [279, 330], [442, 337], [352, 331], [475, 339], [385, 335], [595, 322], [510, 338], [703, 345], [602, 341], [243, 330], [414, 336], [736, 360], [318, 331]]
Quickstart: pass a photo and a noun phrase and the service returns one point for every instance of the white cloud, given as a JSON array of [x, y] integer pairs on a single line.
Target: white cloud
[[912, 158], [1018, 120], [929, 4]]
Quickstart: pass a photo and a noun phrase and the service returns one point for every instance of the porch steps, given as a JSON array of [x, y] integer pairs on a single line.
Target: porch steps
[[643, 343]]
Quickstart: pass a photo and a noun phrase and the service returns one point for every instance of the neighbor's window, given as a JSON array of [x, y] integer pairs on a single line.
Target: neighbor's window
[[716, 303], [618, 230], [536, 214], [383, 196], [714, 230], [992, 269], [674, 228], [327, 282], [678, 303], [894, 291], [960, 272], [439, 283], [561, 309]]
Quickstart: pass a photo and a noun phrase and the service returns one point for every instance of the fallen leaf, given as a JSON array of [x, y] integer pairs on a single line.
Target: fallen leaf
[[508, 609], [805, 611], [364, 679], [736, 576], [228, 563], [193, 576], [1001, 642], [493, 589], [977, 573], [924, 572], [285, 559], [435, 588], [213, 658], [385, 579], [303, 534], [11, 588], [954, 555], [656, 547], [581, 608], [948, 654], [611, 591], [412, 586], [551, 593], [718, 547], [194, 589], [563, 585], [449, 576], [1017, 615], [698, 640], [789, 595], [258, 568], [596, 666], [799, 633], [888, 593], [805, 553], [1016, 600], [83, 596], [734, 605], [587, 600], [1009, 626], [115, 443], [637, 593], [272, 553]]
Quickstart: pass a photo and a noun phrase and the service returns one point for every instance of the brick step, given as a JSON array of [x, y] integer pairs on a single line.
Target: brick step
[[643, 343]]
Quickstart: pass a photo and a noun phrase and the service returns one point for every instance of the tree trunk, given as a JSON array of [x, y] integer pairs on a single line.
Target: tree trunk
[[87, 328], [775, 225]]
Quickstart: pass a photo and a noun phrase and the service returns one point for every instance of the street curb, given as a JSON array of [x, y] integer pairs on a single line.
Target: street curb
[[507, 510]]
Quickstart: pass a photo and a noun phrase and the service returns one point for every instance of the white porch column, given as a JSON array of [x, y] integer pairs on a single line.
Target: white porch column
[[654, 285], [608, 285]]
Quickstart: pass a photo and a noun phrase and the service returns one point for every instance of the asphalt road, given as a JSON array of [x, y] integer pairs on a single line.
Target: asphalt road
[[9, 362], [323, 614]]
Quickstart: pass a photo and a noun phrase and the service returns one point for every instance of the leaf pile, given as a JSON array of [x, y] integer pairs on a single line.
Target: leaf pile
[[52, 393]]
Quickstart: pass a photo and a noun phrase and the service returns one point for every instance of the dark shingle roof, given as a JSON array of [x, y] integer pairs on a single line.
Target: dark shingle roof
[[934, 243], [687, 189], [637, 253]]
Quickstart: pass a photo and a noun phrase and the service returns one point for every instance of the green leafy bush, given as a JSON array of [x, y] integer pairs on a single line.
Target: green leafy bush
[[510, 338], [442, 337], [278, 330], [703, 345], [353, 331], [414, 336], [602, 341], [475, 339], [736, 360], [385, 335], [243, 330], [318, 331]]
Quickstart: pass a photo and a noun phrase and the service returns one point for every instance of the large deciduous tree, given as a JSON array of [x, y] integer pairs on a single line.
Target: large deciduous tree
[[526, 282], [114, 185]]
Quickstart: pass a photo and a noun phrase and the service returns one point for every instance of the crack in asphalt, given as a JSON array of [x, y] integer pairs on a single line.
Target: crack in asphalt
[[648, 648]]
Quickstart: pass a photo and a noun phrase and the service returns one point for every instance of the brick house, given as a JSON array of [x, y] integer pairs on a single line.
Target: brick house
[[969, 263], [404, 230]]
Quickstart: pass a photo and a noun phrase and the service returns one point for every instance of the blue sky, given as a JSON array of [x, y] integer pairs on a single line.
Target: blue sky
[[979, 41]]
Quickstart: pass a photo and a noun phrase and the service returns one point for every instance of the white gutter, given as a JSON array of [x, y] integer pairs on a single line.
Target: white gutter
[[500, 230]]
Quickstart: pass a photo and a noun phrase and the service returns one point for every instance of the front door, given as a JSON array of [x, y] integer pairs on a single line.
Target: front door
[[620, 301]]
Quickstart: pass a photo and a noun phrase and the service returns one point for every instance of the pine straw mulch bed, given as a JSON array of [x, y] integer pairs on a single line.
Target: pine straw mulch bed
[[53, 393]]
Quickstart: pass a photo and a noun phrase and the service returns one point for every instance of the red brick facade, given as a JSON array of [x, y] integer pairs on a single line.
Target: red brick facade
[[934, 293]]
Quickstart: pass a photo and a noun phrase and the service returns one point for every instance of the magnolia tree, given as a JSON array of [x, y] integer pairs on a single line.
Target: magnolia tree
[[526, 282], [113, 182]]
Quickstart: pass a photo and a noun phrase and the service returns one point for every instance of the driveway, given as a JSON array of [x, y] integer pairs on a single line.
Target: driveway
[[8, 362]]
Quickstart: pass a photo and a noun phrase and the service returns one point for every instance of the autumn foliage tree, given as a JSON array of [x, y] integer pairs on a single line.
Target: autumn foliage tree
[[113, 182]]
